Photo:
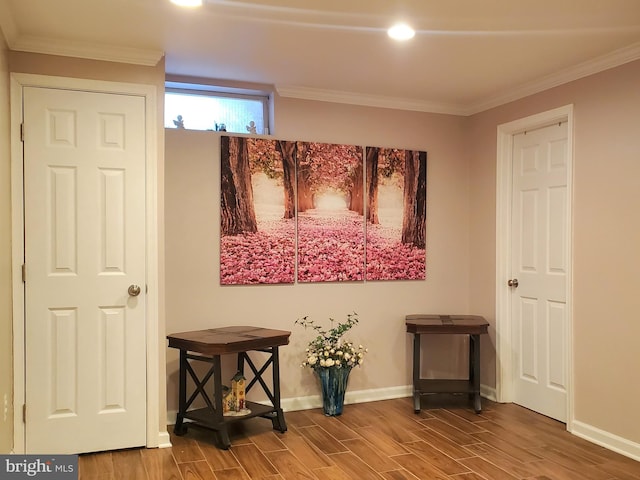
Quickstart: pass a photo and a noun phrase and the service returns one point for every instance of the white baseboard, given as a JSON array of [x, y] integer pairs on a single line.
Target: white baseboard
[[164, 441], [607, 440], [488, 392], [359, 396]]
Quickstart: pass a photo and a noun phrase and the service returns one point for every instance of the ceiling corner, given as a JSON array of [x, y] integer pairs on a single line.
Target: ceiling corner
[[8, 26]]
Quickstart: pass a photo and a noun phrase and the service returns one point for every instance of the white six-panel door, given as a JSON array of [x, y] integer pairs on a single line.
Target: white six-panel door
[[84, 188], [540, 265]]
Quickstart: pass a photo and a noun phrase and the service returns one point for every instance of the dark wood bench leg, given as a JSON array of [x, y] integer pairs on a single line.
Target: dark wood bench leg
[[179, 428], [474, 345], [241, 362], [278, 421], [416, 372], [222, 434]]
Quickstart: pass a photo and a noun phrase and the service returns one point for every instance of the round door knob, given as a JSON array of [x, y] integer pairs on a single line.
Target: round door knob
[[513, 283], [134, 290]]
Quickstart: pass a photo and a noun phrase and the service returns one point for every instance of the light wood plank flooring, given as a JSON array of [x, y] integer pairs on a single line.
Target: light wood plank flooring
[[378, 440]]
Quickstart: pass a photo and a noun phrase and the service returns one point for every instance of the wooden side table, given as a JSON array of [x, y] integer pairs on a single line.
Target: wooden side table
[[471, 325], [208, 346]]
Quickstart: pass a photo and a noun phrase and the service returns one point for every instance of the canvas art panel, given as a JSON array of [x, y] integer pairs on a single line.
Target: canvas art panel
[[396, 214], [257, 212], [330, 206]]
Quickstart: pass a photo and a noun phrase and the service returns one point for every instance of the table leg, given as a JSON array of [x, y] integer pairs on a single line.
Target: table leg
[[278, 421], [241, 362], [416, 372], [223, 435], [179, 428], [472, 391], [474, 342]]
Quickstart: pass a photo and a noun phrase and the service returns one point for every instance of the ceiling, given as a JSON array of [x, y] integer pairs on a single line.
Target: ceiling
[[467, 55]]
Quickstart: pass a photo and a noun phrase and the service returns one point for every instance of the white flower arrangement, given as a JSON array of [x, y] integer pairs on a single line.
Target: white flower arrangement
[[329, 349]]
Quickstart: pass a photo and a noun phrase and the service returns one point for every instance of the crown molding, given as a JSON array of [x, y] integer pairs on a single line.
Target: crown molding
[[584, 69], [353, 98], [65, 48]]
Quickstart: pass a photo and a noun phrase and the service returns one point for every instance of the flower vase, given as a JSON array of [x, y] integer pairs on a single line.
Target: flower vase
[[333, 382]]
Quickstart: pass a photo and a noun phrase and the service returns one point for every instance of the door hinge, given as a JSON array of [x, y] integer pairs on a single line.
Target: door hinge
[[24, 273], [24, 413], [22, 132]]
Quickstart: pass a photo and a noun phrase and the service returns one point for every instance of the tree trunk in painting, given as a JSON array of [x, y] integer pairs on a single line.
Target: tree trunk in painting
[[288, 152], [356, 197], [415, 198], [372, 185], [236, 203], [305, 195]]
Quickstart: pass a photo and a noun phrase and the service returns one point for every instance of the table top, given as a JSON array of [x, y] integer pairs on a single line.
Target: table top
[[234, 339], [462, 324]]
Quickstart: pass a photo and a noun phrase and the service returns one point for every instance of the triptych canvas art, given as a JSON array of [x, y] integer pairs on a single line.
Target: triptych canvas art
[[318, 212]]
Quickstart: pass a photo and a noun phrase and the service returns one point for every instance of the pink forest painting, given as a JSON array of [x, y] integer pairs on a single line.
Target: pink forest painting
[[330, 212], [396, 214], [257, 211]]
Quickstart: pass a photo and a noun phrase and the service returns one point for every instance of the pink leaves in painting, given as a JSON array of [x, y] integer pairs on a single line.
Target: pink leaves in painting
[[267, 256], [330, 246], [389, 259]]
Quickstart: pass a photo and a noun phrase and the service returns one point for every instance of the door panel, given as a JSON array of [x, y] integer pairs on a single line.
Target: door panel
[[557, 338], [539, 262], [84, 174], [529, 339]]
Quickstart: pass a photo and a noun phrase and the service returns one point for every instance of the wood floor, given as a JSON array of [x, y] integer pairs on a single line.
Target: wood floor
[[379, 440]]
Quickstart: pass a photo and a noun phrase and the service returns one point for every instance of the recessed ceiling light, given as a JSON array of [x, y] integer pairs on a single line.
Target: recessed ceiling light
[[187, 3], [401, 31]]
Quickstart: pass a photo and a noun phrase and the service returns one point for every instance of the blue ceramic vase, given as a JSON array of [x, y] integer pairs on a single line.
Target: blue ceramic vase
[[333, 382]]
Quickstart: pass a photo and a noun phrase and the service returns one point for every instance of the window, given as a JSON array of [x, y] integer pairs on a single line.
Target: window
[[205, 107]]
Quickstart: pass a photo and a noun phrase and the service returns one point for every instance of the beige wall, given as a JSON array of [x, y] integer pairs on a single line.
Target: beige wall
[[21, 62], [195, 300], [606, 237], [6, 351]]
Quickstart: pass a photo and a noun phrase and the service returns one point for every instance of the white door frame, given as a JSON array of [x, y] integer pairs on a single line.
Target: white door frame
[[156, 433], [504, 360]]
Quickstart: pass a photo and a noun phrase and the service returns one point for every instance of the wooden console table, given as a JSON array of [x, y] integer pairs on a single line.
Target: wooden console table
[[471, 325], [208, 346]]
